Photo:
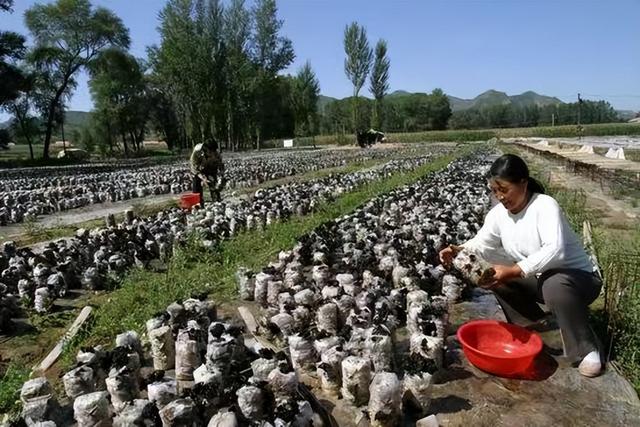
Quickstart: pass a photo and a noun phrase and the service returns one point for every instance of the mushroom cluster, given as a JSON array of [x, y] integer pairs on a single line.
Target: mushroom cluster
[[94, 258], [32, 193], [361, 301], [222, 219], [90, 259], [199, 371]]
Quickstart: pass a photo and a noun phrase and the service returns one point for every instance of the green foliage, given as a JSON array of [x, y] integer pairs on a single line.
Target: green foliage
[[12, 79], [118, 88], [12, 49], [306, 89], [5, 139], [232, 58], [511, 114], [87, 140], [411, 113], [68, 36], [26, 128], [10, 386], [379, 81], [272, 52], [357, 63], [6, 5]]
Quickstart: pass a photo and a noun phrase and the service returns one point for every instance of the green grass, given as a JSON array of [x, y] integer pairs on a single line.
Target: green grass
[[194, 270], [18, 156], [10, 386], [486, 134]]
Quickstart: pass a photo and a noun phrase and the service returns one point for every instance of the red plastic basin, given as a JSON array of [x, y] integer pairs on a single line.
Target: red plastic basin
[[189, 200], [498, 347]]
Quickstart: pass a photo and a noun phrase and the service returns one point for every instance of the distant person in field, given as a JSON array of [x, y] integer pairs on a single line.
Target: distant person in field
[[207, 168], [368, 138], [537, 259]]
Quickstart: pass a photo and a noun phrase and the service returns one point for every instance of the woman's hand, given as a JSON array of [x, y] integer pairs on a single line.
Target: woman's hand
[[504, 273], [447, 254]]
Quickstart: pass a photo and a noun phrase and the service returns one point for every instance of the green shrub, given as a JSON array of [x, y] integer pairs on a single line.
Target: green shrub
[[10, 386]]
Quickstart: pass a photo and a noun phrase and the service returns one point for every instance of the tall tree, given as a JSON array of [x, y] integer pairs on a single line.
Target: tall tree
[[239, 72], [25, 127], [119, 92], [12, 49], [69, 35], [358, 61], [379, 81], [440, 110], [189, 65], [306, 90], [272, 53], [6, 5]]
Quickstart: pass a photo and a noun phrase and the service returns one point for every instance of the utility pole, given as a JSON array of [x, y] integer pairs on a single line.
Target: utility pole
[[553, 119], [64, 142], [579, 105], [579, 125]]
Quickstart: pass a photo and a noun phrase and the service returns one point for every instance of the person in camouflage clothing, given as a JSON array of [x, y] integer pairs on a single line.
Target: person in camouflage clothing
[[207, 168]]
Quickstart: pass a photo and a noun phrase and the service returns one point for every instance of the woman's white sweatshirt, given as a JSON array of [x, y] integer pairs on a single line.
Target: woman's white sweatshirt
[[537, 238]]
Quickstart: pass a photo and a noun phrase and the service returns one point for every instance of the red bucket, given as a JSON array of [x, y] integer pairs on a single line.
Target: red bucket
[[189, 200], [499, 348]]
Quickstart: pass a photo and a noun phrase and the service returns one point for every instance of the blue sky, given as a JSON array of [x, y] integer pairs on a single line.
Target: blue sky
[[556, 48]]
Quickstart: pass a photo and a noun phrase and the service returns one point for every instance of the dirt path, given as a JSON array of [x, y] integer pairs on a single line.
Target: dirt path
[[83, 214], [551, 393], [614, 213]]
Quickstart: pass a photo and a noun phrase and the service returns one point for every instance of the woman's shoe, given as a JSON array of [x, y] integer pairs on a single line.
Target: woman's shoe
[[591, 366]]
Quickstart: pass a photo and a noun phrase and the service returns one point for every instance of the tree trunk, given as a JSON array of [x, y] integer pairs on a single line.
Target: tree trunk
[[47, 135], [51, 112], [134, 141], [229, 124], [22, 119], [124, 142]]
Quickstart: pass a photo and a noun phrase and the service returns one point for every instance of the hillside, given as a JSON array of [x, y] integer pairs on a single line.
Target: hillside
[[323, 101], [485, 99], [74, 121], [494, 97]]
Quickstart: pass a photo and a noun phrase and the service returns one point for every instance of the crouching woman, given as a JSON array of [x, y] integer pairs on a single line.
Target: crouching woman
[[537, 258]]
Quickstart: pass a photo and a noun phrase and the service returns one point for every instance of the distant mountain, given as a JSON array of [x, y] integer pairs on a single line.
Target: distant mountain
[[494, 97], [399, 93], [77, 119], [459, 103], [323, 101], [485, 99], [530, 97]]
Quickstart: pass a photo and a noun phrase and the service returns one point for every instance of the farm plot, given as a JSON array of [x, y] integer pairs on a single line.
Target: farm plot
[[95, 259], [360, 302], [28, 193], [206, 372]]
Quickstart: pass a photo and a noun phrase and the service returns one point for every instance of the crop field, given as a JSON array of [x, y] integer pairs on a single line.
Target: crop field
[[311, 294], [566, 131]]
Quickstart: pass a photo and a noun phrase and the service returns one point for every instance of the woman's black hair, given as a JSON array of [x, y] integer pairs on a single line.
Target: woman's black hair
[[211, 144], [513, 169]]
